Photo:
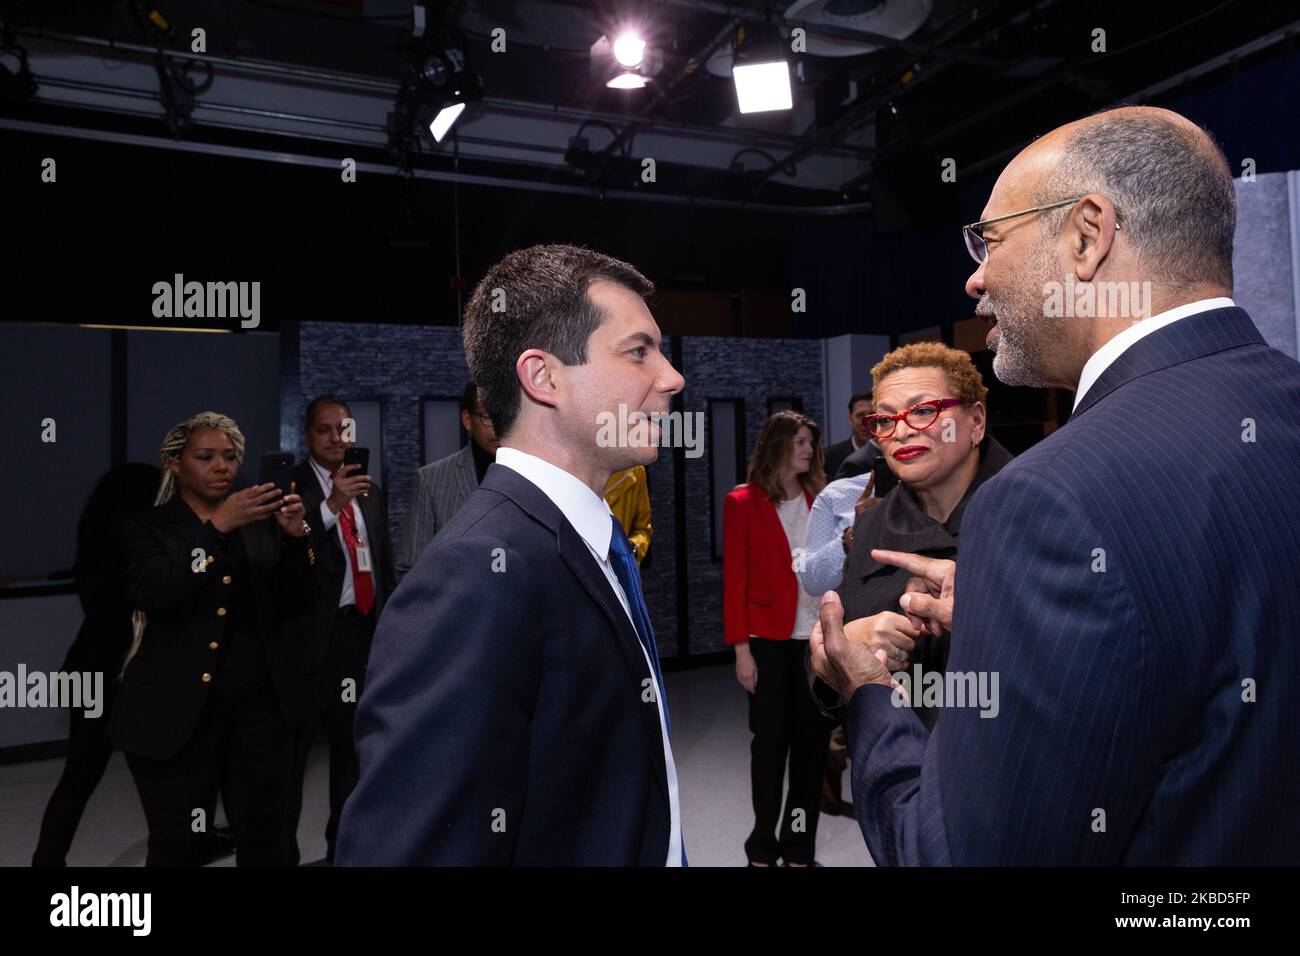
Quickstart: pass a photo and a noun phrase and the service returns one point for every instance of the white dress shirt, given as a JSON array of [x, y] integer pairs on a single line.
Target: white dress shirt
[[1108, 353], [591, 518], [330, 521]]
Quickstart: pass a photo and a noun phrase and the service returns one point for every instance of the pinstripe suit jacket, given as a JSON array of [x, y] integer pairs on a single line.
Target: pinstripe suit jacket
[[441, 488], [1156, 698]]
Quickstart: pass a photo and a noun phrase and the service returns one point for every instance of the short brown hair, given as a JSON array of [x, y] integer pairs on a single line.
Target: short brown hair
[[535, 298], [773, 447], [963, 377]]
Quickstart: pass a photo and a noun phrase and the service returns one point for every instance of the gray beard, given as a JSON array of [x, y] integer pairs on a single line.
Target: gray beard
[[1020, 357], [1016, 362]]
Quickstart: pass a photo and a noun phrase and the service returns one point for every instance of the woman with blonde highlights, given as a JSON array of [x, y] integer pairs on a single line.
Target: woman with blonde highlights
[[216, 575]]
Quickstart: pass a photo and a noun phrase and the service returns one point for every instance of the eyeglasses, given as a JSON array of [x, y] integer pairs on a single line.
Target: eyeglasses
[[919, 417], [974, 233], [484, 417]]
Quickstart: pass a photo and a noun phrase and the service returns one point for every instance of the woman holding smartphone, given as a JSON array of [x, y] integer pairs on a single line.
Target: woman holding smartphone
[[217, 577], [768, 618]]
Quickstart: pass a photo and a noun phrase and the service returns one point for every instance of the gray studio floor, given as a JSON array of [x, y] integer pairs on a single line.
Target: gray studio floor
[[711, 746]]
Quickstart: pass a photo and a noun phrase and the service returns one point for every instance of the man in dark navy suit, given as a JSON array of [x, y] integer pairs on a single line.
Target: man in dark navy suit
[[514, 711], [1134, 579]]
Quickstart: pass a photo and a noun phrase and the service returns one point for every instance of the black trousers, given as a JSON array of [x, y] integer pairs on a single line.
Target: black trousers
[[241, 749], [89, 749], [335, 711], [785, 723]]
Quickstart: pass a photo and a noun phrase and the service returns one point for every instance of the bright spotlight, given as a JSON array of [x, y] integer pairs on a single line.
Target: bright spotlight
[[630, 80], [763, 86], [442, 122], [629, 50]]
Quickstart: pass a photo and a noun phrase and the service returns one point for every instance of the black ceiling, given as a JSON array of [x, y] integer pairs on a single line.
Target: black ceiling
[[976, 82]]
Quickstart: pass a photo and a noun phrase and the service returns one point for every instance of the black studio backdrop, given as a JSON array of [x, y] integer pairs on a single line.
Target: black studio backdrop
[[89, 247]]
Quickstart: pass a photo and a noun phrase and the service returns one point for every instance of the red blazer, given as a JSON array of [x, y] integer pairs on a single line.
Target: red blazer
[[759, 588]]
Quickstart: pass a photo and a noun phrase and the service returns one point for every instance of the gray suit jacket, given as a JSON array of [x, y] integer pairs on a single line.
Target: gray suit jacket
[[441, 487]]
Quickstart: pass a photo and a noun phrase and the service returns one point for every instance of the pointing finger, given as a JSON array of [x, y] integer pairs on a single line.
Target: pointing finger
[[931, 569], [936, 612]]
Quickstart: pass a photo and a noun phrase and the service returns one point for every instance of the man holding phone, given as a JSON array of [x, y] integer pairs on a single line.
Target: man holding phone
[[357, 578]]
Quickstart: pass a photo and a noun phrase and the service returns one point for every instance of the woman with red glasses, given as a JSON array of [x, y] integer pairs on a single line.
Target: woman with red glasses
[[930, 422]]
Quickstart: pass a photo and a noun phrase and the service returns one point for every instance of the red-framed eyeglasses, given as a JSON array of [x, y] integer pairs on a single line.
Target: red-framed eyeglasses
[[920, 416]]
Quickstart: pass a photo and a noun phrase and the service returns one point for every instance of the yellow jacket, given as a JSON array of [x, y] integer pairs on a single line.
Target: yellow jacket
[[628, 495]]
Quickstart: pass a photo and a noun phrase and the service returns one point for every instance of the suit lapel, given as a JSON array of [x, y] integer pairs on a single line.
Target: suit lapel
[[575, 553], [309, 489], [578, 557], [1191, 337], [312, 498], [771, 520]]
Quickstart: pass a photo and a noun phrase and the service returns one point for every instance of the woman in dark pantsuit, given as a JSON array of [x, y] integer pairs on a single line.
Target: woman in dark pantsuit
[[202, 707]]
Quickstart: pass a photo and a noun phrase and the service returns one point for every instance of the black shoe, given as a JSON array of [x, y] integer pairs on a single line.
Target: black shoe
[[220, 843]]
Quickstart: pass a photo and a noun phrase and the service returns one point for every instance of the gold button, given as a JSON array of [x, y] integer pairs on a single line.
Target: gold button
[[207, 678], [221, 612], [213, 646], [226, 579]]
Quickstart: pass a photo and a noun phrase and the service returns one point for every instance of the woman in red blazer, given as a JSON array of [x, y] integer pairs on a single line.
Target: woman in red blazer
[[767, 617]]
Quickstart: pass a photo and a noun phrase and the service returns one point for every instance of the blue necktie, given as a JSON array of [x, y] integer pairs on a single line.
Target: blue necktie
[[629, 576], [623, 557]]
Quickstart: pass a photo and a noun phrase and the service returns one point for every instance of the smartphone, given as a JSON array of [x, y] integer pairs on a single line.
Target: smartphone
[[277, 468], [357, 456], [885, 478]]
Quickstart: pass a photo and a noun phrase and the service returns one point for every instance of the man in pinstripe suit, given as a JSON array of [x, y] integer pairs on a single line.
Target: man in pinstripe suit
[[1134, 579], [441, 487]]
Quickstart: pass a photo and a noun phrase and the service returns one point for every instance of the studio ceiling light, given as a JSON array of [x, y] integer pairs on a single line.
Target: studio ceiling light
[[438, 82], [631, 80], [629, 49], [761, 70], [444, 119], [447, 84], [624, 61], [761, 87]]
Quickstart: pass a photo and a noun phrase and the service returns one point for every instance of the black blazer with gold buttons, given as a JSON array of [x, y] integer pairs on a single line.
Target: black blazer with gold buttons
[[165, 686]]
